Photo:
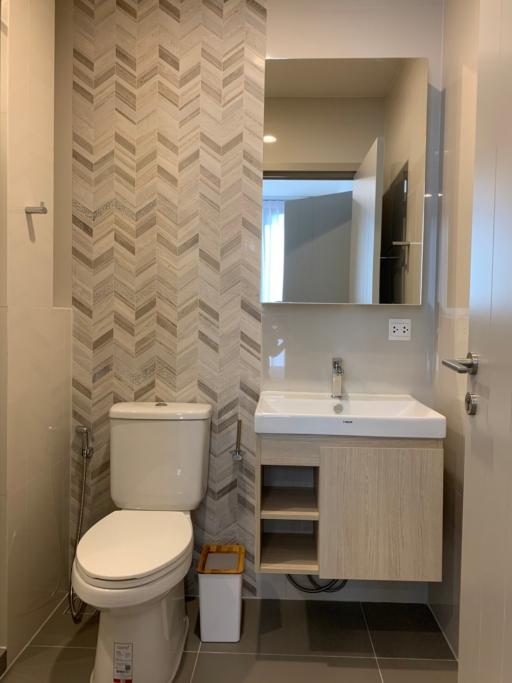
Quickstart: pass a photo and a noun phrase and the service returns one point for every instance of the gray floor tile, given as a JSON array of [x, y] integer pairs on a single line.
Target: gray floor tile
[[52, 665], [418, 671], [326, 641], [68, 664], [405, 631], [238, 668], [186, 669], [193, 641], [61, 630], [300, 627]]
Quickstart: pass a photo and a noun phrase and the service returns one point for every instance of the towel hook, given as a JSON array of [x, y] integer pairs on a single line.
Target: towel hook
[[36, 209]]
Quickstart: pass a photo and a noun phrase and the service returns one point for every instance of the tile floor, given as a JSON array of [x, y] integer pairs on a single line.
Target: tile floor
[[328, 642]]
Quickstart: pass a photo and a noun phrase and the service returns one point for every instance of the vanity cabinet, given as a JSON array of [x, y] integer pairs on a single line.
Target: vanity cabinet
[[350, 507]]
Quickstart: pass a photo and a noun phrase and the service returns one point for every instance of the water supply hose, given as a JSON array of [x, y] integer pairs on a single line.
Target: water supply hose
[[76, 605], [332, 585]]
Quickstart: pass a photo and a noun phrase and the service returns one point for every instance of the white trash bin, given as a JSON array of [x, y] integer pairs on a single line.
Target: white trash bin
[[220, 571]]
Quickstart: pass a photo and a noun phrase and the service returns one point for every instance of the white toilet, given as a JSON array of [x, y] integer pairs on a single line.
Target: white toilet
[[131, 564]]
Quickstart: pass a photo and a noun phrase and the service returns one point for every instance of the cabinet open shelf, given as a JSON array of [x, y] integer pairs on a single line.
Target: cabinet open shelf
[[289, 503], [289, 553], [321, 501]]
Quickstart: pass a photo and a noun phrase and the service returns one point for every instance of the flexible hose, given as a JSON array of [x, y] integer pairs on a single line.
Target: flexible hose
[[304, 589], [332, 586], [341, 583], [77, 606]]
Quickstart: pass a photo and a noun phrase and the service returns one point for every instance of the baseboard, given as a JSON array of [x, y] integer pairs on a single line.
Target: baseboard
[[276, 587]]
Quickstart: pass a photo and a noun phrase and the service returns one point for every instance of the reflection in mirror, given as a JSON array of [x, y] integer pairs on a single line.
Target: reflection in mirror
[[344, 179]]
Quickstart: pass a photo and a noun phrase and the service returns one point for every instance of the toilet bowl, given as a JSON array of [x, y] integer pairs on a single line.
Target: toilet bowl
[[131, 564]]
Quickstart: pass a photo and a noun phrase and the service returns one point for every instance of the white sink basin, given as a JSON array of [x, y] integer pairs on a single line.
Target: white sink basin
[[385, 415]]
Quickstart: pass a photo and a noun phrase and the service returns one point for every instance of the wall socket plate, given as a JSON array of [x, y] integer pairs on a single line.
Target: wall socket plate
[[399, 329]]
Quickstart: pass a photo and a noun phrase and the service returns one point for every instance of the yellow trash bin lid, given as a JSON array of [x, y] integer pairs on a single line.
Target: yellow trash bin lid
[[221, 559]]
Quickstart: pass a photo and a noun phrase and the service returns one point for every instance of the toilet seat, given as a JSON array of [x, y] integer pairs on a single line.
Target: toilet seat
[[132, 557], [131, 548], [109, 596], [131, 584]]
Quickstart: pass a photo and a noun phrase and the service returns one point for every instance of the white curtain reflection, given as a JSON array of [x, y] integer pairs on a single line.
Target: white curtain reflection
[[272, 252]]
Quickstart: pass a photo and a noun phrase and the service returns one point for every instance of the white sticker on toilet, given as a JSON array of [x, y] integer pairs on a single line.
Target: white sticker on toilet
[[123, 662]]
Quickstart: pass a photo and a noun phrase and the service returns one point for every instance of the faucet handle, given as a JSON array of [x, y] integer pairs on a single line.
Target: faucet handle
[[337, 366]]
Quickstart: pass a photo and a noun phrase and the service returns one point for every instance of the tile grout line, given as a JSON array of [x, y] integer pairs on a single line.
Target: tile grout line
[[419, 659], [257, 653], [195, 663], [319, 655], [34, 636], [371, 641], [65, 647]]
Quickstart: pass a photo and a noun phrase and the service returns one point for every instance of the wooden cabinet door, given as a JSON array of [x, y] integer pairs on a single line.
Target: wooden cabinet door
[[381, 513]]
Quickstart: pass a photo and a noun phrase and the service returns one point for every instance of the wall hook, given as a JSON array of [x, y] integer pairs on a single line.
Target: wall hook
[[36, 209]]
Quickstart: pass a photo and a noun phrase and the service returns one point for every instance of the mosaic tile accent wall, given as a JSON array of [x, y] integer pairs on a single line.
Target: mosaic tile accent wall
[[167, 159]]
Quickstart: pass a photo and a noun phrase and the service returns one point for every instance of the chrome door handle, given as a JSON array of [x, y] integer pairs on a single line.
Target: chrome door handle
[[464, 366]]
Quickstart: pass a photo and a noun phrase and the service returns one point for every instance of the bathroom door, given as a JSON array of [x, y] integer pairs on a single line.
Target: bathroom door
[[486, 590]]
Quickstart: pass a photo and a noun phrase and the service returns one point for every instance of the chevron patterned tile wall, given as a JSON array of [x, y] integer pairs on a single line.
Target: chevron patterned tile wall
[[167, 157]]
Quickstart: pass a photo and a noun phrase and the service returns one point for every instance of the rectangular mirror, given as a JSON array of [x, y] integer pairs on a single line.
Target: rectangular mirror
[[344, 181]]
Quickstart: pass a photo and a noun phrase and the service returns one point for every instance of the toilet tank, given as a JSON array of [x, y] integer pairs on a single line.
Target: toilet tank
[[159, 455]]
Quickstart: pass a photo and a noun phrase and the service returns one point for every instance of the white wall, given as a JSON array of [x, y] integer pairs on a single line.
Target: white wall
[[63, 153], [357, 29], [312, 335], [406, 130], [35, 378], [307, 337], [321, 133], [365, 244], [461, 28], [406, 124]]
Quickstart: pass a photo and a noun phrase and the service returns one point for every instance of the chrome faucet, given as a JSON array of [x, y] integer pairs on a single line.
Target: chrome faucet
[[337, 374]]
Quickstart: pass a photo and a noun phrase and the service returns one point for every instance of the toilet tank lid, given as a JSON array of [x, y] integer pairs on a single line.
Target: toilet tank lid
[[160, 411]]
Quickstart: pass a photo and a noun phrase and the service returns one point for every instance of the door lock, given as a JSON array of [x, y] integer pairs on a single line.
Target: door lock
[[471, 403]]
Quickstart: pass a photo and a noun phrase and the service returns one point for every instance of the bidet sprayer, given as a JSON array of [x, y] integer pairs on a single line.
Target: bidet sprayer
[[87, 449]]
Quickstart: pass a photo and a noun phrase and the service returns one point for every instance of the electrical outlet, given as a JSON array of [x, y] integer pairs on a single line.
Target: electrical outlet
[[400, 329]]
